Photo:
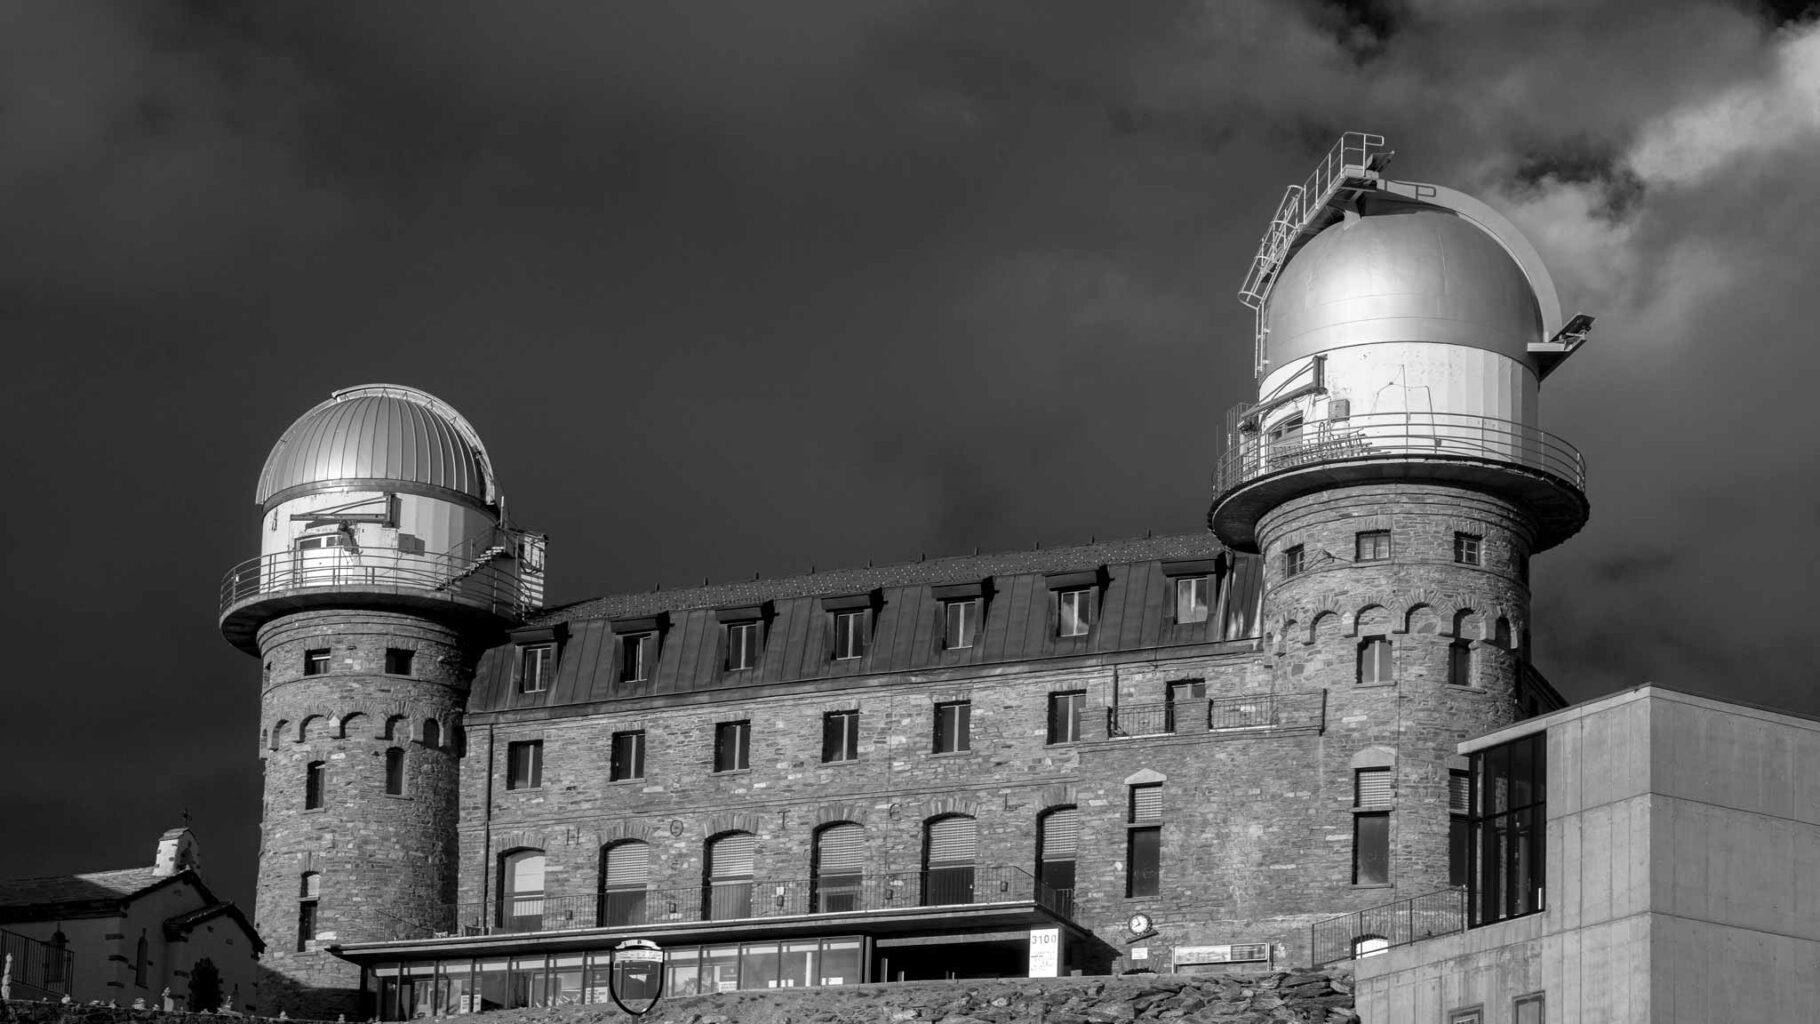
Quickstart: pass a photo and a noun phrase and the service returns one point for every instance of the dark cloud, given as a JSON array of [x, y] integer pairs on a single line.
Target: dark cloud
[[734, 288]]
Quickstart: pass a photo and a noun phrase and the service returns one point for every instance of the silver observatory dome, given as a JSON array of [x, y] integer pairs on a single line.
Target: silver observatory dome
[[378, 432], [1401, 273]]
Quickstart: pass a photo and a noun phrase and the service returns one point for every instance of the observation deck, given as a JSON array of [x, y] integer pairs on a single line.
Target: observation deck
[[491, 588], [1532, 467]]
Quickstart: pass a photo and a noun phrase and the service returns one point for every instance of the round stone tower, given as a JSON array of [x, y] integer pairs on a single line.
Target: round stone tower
[[1391, 472], [385, 566]]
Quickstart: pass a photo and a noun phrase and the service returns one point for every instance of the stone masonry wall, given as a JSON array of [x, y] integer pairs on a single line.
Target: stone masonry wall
[[1422, 600], [386, 862]]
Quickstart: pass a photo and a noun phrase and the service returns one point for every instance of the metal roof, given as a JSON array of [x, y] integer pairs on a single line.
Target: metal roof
[[379, 432]]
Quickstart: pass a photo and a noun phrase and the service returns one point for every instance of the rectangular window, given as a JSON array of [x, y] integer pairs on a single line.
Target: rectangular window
[[315, 774], [1191, 599], [1459, 663], [1371, 848], [398, 661], [535, 663], [628, 755], [1509, 808], [849, 635], [316, 661], [962, 623], [1074, 611], [1466, 548], [732, 746], [1459, 842], [306, 924], [1146, 803], [1374, 660], [953, 727], [742, 646], [1528, 1009], [1471, 1015], [637, 653], [1520, 563], [840, 736], [1371, 787], [1183, 698], [1373, 545], [524, 764], [1143, 861], [1293, 563], [1065, 713], [394, 771]]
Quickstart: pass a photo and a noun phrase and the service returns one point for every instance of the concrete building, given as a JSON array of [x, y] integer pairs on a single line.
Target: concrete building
[[1173, 753], [129, 934], [1650, 856]]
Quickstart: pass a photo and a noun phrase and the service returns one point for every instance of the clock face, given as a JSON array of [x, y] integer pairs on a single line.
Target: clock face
[[1139, 923]]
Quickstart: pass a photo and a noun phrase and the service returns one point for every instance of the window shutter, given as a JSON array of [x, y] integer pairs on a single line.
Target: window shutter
[[841, 849], [1061, 834], [952, 840], [1146, 803], [1374, 787], [629, 864], [1459, 791], [732, 855]]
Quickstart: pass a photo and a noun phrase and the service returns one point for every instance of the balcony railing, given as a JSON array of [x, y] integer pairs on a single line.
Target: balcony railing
[[1226, 716], [489, 580], [1384, 927], [1401, 437], [746, 900], [39, 969]]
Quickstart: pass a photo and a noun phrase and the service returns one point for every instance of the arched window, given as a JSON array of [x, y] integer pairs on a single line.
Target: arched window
[[837, 869], [314, 776], [1369, 945], [1058, 837], [950, 846], [348, 724], [625, 870], [57, 959], [1374, 661], [391, 728], [139, 962], [309, 892], [303, 730], [278, 732], [521, 890], [394, 771], [432, 733], [729, 876]]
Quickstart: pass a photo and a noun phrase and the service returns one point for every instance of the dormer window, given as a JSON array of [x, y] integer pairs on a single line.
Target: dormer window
[[743, 629], [536, 666], [640, 644], [850, 623], [963, 612], [1074, 611]]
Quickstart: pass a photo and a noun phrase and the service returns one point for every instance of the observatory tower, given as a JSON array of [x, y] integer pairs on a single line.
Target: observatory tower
[[1391, 471], [385, 566]]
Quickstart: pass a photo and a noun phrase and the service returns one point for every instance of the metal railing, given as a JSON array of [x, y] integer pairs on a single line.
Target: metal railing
[[1401, 437], [1268, 712], [1390, 925], [1140, 719], [764, 898], [490, 579], [1350, 157], [39, 969]]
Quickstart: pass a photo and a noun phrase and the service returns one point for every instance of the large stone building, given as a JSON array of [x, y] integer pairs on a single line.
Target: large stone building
[[1168, 753]]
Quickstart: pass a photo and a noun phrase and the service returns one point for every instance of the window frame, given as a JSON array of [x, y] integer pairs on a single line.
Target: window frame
[[399, 660], [315, 785], [543, 655], [1459, 662], [637, 656], [1295, 560], [840, 729], [854, 623], [1509, 837], [749, 628], [1538, 1000], [1366, 546], [524, 764], [734, 756], [617, 769], [394, 771], [316, 661], [1468, 548], [1459, 827], [970, 624], [1179, 694], [1383, 669], [1075, 703], [1379, 839], [1204, 584], [1143, 861], [1081, 598], [957, 739]]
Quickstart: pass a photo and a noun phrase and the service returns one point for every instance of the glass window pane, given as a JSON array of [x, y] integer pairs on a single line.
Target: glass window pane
[[1371, 849], [840, 962]]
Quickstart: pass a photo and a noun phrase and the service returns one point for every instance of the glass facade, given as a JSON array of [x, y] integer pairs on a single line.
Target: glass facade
[[472, 985], [1507, 816]]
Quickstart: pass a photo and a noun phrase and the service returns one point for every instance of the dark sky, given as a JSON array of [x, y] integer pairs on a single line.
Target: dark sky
[[732, 287]]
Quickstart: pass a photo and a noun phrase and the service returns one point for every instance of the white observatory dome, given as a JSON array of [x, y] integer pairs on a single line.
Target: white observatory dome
[[378, 432], [1402, 274]]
